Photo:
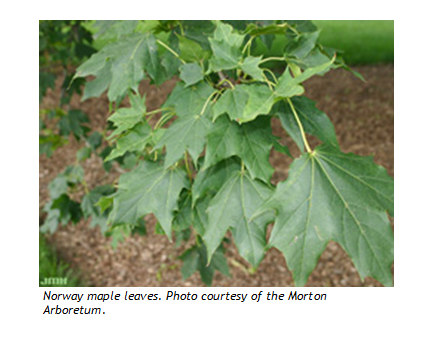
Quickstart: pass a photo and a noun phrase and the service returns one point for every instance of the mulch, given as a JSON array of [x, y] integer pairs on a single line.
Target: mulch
[[363, 115]]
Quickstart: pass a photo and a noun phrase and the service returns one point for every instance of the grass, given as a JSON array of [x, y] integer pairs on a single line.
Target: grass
[[53, 272], [362, 41]]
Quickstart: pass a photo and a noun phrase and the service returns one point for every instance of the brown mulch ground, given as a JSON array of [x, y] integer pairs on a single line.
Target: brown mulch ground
[[363, 116]]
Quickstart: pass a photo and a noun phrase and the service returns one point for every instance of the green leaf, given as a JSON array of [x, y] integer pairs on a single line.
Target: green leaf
[[134, 140], [84, 153], [46, 81], [251, 142], [214, 177], [71, 176], [94, 140], [191, 51], [260, 102], [286, 87], [89, 206], [226, 48], [148, 189], [329, 195], [69, 210], [250, 66], [184, 216], [281, 148], [97, 86], [273, 29], [126, 118], [200, 216], [191, 73], [189, 101], [187, 133], [245, 102], [302, 45], [233, 207], [314, 121], [128, 59], [110, 30], [195, 259], [73, 123], [233, 102]]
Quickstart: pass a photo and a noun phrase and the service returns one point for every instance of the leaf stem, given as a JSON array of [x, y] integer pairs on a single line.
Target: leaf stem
[[163, 119], [273, 58], [158, 110], [272, 74], [187, 167], [170, 50], [207, 101], [226, 80], [247, 46], [269, 83], [303, 135]]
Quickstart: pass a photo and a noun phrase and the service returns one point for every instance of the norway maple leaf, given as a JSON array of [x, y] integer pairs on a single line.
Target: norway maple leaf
[[329, 195], [148, 189]]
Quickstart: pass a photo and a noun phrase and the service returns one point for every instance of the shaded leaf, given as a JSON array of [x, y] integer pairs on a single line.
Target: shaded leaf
[[251, 142], [214, 177]]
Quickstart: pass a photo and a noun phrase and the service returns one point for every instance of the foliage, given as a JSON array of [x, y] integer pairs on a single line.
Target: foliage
[[209, 170], [62, 44]]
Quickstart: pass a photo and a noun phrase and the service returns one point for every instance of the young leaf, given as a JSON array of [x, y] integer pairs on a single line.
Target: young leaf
[[226, 48], [191, 73], [245, 102], [250, 66], [127, 118], [233, 207], [330, 195], [148, 189], [287, 86], [133, 141]]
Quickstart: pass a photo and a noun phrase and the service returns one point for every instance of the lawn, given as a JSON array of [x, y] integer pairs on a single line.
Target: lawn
[[362, 41]]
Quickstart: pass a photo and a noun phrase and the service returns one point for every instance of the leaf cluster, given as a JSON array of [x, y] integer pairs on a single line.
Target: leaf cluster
[[208, 172]]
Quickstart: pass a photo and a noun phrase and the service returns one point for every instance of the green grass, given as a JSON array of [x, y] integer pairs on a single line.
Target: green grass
[[53, 272], [361, 41]]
